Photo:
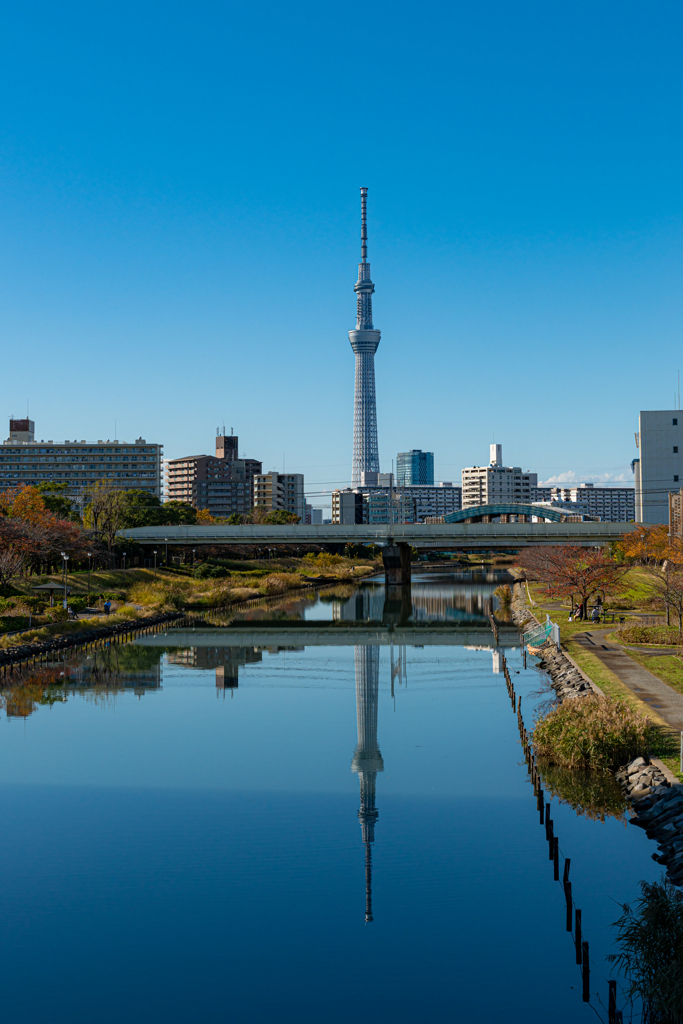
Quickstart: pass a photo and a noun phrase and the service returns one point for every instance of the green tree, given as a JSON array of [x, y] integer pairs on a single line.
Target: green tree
[[178, 513], [140, 508], [55, 497]]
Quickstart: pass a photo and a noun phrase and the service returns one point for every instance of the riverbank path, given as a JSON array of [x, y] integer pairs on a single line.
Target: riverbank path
[[667, 702]]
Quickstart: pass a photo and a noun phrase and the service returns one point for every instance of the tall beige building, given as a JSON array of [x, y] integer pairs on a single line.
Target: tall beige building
[[497, 484], [273, 491]]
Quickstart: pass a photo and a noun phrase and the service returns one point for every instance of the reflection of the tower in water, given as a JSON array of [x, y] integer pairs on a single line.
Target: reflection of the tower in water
[[367, 759]]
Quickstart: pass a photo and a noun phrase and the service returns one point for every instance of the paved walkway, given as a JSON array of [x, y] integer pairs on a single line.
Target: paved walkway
[[668, 703]]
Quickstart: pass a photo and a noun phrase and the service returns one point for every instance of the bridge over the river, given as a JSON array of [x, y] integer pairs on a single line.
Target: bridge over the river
[[423, 536]]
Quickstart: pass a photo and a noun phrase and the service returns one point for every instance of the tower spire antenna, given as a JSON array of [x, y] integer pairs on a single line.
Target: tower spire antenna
[[364, 225], [364, 341]]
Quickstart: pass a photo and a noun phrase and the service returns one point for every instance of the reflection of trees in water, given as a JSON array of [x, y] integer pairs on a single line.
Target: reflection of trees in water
[[96, 677], [591, 794]]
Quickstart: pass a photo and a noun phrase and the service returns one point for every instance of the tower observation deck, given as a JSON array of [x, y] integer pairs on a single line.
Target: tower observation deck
[[364, 341]]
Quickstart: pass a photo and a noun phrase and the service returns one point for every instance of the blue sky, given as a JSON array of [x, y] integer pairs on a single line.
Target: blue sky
[[180, 220]]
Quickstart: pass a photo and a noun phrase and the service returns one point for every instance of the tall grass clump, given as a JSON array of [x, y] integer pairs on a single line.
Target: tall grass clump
[[594, 733], [651, 951]]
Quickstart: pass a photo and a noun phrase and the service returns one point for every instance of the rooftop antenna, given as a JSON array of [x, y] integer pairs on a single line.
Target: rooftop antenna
[[679, 389], [232, 431]]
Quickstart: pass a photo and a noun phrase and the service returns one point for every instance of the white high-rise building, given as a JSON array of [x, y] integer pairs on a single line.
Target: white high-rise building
[[496, 484], [658, 471]]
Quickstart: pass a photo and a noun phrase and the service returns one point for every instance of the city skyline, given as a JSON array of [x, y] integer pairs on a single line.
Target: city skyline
[[528, 222]]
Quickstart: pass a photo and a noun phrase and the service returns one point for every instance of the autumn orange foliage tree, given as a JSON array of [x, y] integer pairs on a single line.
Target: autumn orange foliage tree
[[652, 548], [569, 570], [32, 537]]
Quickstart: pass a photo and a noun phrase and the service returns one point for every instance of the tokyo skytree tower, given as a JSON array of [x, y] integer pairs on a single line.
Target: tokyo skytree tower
[[364, 341]]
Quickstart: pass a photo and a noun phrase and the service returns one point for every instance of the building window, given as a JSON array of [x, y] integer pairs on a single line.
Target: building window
[[675, 479], [675, 449]]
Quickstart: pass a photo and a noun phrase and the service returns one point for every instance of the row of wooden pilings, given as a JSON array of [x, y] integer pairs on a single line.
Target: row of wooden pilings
[[573, 921]]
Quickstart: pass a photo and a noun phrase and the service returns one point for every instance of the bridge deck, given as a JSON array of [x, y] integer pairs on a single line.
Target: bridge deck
[[422, 536], [332, 636]]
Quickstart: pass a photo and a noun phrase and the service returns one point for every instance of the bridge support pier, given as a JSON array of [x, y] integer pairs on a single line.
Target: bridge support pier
[[396, 558], [398, 605]]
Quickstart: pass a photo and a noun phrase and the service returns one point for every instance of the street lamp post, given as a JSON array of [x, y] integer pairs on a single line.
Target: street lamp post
[[124, 564], [166, 558], [89, 558], [66, 564], [155, 565], [193, 553]]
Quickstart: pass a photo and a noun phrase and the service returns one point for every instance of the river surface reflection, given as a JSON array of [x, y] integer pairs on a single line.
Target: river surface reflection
[[313, 825]]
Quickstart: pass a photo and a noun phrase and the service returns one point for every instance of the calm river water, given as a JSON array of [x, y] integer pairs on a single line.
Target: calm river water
[[316, 813]]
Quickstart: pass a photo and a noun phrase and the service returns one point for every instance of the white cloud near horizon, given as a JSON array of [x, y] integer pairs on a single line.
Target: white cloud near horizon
[[570, 478]]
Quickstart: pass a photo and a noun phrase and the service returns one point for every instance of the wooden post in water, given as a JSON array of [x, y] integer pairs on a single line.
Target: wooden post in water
[[586, 973], [577, 935], [568, 897], [556, 859], [612, 1002], [565, 877]]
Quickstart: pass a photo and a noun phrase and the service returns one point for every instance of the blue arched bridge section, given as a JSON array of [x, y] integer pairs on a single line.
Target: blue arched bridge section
[[476, 512]]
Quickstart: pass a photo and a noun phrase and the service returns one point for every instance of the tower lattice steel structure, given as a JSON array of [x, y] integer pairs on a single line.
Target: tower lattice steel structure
[[364, 341]]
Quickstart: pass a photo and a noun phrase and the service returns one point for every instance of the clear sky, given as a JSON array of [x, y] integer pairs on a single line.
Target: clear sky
[[180, 226]]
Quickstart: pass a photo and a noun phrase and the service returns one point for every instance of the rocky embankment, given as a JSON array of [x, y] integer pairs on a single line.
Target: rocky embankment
[[565, 678], [25, 652], [658, 806], [659, 810]]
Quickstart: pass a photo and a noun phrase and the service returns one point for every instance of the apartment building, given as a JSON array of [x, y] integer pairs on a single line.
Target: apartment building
[[221, 483], [126, 465], [421, 502], [497, 484], [274, 491], [611, 504], [659, 470], [388, 506]]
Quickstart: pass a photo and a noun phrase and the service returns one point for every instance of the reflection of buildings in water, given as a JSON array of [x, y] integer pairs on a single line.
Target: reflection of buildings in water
[[399, 666], [367, 604], [226, 661], [433, 604], [367, 759], [430, 603], [496, 656]]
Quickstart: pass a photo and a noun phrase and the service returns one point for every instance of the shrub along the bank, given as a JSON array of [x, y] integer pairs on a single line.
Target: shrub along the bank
[[650, 635], [594, 733]]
